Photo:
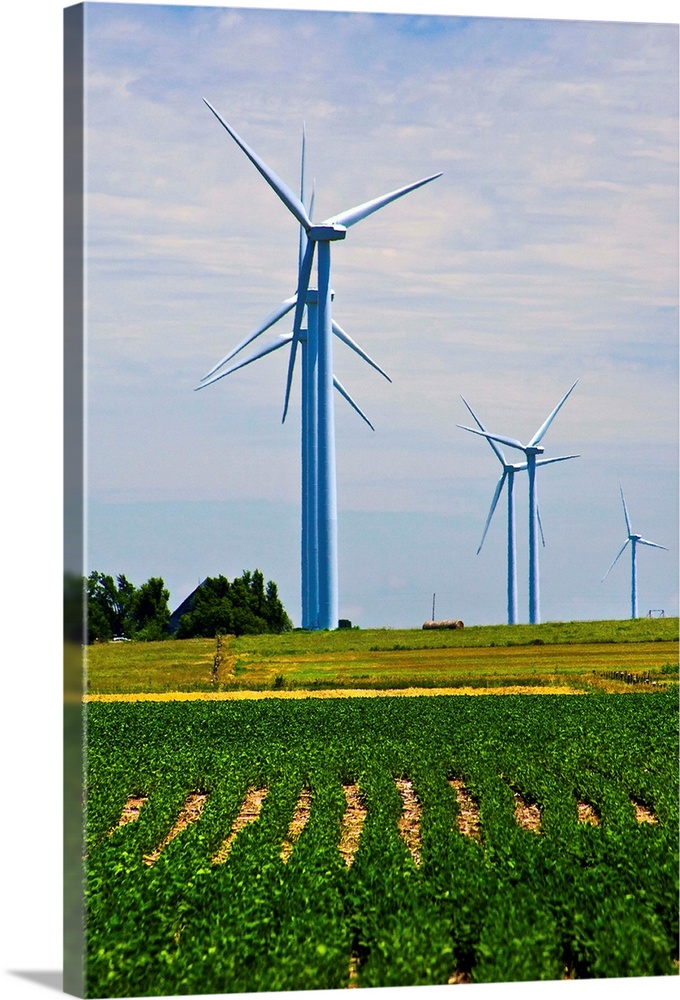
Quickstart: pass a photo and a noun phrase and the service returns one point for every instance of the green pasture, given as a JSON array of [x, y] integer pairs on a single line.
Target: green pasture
[[579, 655]]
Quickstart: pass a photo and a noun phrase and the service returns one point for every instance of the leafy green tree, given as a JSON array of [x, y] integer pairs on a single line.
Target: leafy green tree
[[98, 625], [149, 610], [258, 594], [242, 607], [274, 610], [108, 605], [119, 608]]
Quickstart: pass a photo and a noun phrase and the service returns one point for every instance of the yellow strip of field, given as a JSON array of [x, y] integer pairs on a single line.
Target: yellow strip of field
[[334, 693]]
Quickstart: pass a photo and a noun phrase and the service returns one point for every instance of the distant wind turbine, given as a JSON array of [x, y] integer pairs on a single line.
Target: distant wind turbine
[[634, 541], [508, 480], [319, 543], [531, 450]]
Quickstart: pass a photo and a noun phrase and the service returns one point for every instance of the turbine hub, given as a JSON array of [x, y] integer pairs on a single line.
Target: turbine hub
[[327, 232], [535, 450]]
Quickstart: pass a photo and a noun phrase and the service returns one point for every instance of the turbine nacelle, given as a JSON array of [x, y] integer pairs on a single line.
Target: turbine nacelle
[[327, 231]]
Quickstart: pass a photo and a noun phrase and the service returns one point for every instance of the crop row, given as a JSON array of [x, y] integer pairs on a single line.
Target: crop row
[[295, 845], [527, 816]]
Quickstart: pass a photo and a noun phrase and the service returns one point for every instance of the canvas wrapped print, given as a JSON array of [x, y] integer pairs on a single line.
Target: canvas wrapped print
[[371, 607]]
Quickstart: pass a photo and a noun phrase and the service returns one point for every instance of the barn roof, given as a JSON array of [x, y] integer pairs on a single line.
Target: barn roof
[[184, 608]]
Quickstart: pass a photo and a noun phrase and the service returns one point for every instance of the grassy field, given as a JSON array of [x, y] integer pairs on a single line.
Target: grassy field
[[579, 655]]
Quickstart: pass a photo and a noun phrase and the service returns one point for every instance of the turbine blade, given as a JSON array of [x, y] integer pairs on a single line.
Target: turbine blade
[[494, 504], [302, 163], [289, 199], [540, 433], [346, 339], [620, 553], [359, 212], [303, 284], [550, 461], [272, 318], [301, 241], [343, 392], [511, 442], [303, 244], [281, 340], [540, 524], [499, 454], [625, 511], [289, 376], [652, 545]]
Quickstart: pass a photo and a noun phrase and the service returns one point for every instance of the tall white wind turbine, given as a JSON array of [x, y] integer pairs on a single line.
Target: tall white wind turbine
[[634, 540], [531, 450], [320, 542], [309, 397], [508, 480]]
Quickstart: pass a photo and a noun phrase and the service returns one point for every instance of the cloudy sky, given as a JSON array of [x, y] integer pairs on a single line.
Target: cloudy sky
[[547, 252]]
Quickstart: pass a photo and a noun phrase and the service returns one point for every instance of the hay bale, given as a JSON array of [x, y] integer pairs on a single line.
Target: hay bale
[[447, 623]]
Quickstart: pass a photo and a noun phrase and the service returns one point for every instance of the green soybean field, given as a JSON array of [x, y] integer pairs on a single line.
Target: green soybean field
[[315, 844]]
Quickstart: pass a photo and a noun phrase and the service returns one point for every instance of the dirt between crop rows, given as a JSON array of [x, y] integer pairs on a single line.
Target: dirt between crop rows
[[527, 816], [250, 811], [191, 812], [297, 824], [409, 821], [352, 823], [329, 693], [130, 812], [467, 820]]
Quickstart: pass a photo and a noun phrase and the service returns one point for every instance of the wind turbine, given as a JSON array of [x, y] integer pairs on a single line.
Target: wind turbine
[[634, 540], [508, 480], [319, 543], [309, 399], [531, 451]]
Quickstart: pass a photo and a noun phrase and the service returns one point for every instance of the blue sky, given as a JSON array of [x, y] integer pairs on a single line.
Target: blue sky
[[546, 252]]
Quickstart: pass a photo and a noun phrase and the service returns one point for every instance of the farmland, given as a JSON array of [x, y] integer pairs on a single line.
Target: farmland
[[269, 845], [575, 654], [274, 834]]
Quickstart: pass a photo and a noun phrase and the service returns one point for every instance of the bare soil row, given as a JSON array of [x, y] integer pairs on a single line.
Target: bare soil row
[[527, 816]]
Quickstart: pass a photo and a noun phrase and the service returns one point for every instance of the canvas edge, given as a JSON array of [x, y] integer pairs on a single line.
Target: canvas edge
[[74, 924]]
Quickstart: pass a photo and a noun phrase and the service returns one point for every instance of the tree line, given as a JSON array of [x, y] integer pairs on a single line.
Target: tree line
[[243, 606]]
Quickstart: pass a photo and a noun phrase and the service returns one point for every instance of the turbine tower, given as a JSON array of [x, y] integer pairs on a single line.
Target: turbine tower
[[634, 541], [319, 541], [508, 480], [531, 450]]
